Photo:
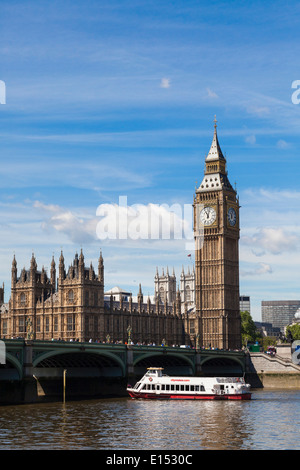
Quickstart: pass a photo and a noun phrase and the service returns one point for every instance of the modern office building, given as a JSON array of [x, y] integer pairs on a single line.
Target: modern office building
[[279, 313], [245, 303], [267, 329]]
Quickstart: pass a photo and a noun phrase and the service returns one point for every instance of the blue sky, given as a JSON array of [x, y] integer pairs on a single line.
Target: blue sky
[[112, 98]]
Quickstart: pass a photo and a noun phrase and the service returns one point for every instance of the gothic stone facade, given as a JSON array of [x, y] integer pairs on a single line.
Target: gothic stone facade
[[73, 307], [165, 288]]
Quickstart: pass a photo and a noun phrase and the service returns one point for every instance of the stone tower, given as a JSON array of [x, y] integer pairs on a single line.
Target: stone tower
[[81, 298], [33, 287], [74, 309], [165, 286], [216, 230], [187, 288]]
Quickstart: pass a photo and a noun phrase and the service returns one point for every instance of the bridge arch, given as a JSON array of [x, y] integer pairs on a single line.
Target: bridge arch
[[173, 364], [77, 358], [222, 365], [12, 370]]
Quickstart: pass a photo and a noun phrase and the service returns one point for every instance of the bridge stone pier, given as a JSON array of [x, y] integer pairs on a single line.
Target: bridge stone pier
[[34, 370]]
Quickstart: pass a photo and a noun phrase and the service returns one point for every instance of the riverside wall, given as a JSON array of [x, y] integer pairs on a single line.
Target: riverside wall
[[278, 372]]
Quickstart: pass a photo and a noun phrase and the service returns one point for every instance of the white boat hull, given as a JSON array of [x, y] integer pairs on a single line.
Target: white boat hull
[[204, 396], [155, 385]]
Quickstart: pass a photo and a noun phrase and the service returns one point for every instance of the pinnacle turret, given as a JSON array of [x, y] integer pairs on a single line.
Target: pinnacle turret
[[215, 152], [215, 177]]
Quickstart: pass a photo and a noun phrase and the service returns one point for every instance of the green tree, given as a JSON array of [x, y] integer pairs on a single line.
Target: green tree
[[249, 330], [269, 341], [295, 331]]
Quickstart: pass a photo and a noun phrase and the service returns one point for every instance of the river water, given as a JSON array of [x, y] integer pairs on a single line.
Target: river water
[[270, 421]]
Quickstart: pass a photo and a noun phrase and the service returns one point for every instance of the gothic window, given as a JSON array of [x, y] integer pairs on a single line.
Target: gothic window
[[87, 299], [187, 293], [86, 324], [21, 325], [23, 299], [71, 296], [38, 324], [56, 323], [95, 299], [70, 322], [161, 294], [47, 324]]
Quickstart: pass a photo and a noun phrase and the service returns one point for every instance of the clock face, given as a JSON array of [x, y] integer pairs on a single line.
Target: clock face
[[208, 215], [231, 216]]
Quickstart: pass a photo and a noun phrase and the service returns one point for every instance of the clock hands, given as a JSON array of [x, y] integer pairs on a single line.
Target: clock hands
[[208, 215]]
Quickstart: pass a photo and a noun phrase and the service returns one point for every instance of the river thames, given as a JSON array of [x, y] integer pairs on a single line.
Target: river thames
[[270, 421]]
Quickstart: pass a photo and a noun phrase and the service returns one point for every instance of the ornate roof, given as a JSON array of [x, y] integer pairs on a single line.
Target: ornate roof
[[215, 152]]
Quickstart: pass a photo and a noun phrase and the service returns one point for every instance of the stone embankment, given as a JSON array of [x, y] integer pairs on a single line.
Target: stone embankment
[[273, 372]]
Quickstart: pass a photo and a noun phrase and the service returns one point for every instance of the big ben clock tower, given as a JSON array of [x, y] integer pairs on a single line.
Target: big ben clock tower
[[216, 229]]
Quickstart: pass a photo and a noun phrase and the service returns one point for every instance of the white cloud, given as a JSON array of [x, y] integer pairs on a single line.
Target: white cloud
[[120, 222], [211, 93], [275, 241], [282, 144], [251, 139], [259, 269], [258, 110], [86, 174], [78, 229], [165, 83], [144, 222]]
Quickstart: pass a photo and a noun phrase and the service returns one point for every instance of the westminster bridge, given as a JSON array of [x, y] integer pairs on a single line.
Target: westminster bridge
[[36, 370]]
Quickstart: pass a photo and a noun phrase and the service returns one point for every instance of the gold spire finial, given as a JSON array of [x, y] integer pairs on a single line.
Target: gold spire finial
[[215, 121]]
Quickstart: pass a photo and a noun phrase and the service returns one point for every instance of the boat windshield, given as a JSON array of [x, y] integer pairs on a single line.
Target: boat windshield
[[154, 372], [229, 379]]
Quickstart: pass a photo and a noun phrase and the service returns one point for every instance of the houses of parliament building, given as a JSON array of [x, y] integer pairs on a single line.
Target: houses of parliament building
[[70, 304]]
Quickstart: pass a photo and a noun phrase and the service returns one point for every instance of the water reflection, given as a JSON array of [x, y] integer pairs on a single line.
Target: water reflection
[[269, 421]]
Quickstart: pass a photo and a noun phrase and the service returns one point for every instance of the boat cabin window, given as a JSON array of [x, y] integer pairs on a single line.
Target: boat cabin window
[[177, 387], [219, 387], [150, 387]]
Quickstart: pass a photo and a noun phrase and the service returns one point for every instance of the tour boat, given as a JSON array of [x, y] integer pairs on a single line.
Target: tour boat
[[155, 384]]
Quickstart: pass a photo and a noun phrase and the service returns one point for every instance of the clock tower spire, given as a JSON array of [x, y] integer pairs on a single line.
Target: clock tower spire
[[216, 218], [215, 176]]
